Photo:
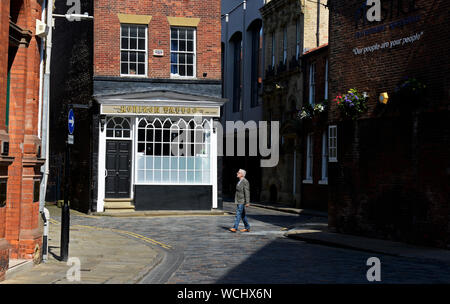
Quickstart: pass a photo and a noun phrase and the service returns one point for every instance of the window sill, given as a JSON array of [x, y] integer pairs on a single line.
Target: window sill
[[307, 181], [133, 76], [172, 76], [323, 182]]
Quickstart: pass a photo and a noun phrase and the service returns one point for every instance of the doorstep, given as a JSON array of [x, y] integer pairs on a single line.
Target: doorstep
[[162, 213]]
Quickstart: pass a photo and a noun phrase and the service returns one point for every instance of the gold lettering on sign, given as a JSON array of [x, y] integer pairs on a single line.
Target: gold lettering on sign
[[171, 110]]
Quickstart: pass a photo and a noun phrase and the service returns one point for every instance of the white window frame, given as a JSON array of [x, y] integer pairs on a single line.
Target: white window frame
[[134, 50], [324, 180], [312, 83], [118, 126], [332, 143], [309, 159], [194, 52]]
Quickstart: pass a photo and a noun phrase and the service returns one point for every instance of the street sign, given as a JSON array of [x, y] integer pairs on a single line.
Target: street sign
[[71, 121], [70, 139]]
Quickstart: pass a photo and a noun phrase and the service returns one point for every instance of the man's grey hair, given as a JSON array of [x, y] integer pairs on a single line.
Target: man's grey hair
[[243, 172]]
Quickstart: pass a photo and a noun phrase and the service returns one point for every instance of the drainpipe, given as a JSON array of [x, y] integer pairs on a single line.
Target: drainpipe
[[45, 108], [41, 71], [46, 217], [244, 34], [318, 24]]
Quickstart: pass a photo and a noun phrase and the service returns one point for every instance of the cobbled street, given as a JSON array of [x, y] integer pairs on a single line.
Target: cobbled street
[[204, 251]]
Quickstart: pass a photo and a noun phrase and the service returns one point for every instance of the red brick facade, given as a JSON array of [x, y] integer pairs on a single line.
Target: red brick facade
[[20, 229], [107, 35], [392, 175]]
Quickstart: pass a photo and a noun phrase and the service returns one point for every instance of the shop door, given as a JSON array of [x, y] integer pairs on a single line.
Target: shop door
[[118, 169]]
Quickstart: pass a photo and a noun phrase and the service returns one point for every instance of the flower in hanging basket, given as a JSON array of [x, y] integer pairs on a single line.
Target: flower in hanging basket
[[351, 104]]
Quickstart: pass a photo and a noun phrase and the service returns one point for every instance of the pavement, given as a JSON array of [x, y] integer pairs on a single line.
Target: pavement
[[283, 247], [105, 256]]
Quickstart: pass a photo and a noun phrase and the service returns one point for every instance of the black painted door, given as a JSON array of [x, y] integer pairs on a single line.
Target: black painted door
[[118, 167]]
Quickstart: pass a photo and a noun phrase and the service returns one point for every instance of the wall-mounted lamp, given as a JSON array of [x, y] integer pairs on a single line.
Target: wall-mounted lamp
[[102, 122], [384, 97]]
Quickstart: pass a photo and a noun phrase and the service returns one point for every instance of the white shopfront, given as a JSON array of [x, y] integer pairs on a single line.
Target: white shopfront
[[158, 151]]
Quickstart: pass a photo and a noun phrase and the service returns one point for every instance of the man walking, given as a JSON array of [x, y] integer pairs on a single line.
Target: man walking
[[242, 200]]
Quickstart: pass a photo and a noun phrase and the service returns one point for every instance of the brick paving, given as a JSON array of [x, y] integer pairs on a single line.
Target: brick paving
[[210, 254]]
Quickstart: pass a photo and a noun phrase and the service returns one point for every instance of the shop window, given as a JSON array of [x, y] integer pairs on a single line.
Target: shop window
[[256, 73], [332, 143], [118, 128], [182, 52], [133, 50], [309, 159], [173, 151], [297, 39], [326, 79], [284, 45]]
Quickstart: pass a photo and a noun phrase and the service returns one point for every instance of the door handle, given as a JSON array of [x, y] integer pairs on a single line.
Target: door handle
[[106, 172]]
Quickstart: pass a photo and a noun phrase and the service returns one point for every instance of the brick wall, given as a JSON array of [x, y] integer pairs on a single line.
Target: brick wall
[[21, 225], [107, 35], [392, 175]]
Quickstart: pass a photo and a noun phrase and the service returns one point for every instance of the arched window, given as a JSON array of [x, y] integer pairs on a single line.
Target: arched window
[[236, 41], [173, 151], [118, 127]]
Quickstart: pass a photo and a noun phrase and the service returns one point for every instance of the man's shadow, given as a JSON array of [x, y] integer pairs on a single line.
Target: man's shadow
[[52, 250]]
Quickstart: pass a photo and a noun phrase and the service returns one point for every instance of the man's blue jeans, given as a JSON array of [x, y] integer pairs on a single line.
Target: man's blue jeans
[[240, 214]]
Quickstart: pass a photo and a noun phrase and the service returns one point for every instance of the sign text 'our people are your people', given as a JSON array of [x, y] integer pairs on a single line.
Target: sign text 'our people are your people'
[[387, 44]]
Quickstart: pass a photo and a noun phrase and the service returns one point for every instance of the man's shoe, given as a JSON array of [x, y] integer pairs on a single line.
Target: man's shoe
[[245, 230], [232, 230]]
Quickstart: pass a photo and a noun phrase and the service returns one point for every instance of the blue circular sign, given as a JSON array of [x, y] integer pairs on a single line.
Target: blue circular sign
[[71, 121]]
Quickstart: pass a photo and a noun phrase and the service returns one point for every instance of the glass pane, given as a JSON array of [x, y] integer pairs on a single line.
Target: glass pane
[[141, 176], [190, 58], [182, 45], [174, 69], [190, 162], [157, 148], [165, 176], [190, 34], [124, 30], [157, 162], [149, 149], [133, 43], [166, 163], [182, 176], [190, 46], [174, 45], [182, 163], [174, 34], [124, 68], [118, 133], [166, 149], [174, 163], [206, 177], [182, 58], [198, 176], [141, 57], [149, 162], [182, 33], [132, 56], [109, 133], [173, 176], [141, 69], [173, 58], [141, 44], [124, 43], [149, 176], [141, 147], [133, 31], [182, 70], [157, 176], [132, 68], [140, 162], [189, 70], [141, 32], [124, 56], [190, 177]]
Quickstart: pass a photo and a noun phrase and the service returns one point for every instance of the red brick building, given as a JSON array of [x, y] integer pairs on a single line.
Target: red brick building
[[314, 130], [20, 229], [157, 65], [389, 177]]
